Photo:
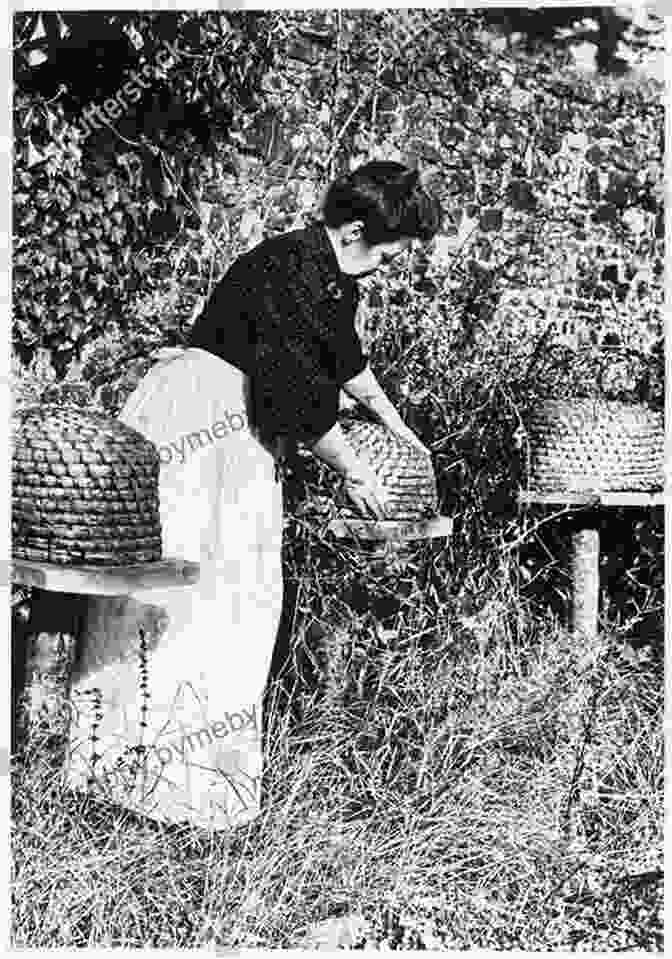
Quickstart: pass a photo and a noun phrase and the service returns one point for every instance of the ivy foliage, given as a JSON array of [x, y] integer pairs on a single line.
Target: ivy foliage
[[114, 115], [552, 182]]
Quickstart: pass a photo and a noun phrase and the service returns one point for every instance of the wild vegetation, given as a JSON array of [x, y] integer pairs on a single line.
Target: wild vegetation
[[449, 766]]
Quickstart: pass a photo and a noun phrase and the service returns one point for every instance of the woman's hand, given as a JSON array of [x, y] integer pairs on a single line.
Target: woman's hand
[[366, 492], [361, 483]]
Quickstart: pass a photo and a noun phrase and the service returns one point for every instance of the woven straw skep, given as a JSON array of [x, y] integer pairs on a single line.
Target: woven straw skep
[[595, 446], [402, 470], [84, 489]]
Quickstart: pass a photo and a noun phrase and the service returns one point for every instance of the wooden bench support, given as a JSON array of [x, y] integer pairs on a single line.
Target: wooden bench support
[[585, 558]]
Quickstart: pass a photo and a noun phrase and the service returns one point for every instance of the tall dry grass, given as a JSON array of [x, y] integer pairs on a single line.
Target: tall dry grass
[[490, 782]]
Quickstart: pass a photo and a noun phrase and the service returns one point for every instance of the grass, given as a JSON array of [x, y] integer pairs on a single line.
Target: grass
[[444, 782]]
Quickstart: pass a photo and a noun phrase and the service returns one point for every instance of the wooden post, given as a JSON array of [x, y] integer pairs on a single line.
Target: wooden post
[[585, 581], [585, 558]]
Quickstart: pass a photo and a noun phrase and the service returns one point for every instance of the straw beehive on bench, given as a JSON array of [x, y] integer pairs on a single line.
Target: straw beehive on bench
[[84, 489], [390, 558], [85, 524], [593, 454]]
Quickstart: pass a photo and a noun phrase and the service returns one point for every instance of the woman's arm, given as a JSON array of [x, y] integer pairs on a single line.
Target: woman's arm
[[366, 388]]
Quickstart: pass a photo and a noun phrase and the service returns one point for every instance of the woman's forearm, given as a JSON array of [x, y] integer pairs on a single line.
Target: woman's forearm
[[367, 390]]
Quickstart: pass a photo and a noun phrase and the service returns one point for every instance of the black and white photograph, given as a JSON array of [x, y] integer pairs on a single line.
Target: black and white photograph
[[337, 456]]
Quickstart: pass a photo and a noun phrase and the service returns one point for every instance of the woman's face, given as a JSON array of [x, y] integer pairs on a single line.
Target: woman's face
[[357, 258]]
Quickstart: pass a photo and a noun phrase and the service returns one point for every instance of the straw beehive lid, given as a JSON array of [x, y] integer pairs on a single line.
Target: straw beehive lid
[[401, 468], [595, 446], [84, 489]]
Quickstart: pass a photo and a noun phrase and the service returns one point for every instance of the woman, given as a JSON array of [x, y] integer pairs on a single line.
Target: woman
[[267, 360]]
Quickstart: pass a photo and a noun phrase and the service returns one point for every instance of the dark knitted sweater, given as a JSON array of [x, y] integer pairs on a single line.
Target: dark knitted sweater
[[284, 314]]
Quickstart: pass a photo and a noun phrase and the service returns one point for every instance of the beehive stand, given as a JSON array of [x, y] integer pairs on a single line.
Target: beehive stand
[[375, 539], [391, 531], [585, 555], [592, 454], [53, 634]]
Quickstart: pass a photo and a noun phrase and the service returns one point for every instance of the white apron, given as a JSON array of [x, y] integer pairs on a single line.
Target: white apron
[[167, 690]]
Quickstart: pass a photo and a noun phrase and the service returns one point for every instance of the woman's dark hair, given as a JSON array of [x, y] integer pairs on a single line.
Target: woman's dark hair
[[388, 198]]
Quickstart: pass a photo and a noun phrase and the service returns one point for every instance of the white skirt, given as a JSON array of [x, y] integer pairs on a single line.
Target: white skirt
[[167, 689]]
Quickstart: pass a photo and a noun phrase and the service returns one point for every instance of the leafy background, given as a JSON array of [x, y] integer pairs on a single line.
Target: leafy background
[[552, 183]]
